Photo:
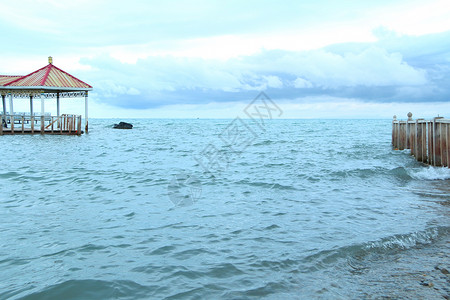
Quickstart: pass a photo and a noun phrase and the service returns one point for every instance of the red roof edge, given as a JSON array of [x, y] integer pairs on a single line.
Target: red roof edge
[[24, 76], [49, 67]]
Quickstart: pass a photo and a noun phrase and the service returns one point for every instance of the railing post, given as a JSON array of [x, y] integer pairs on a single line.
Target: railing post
[[11, 118], [32, 123], [1, 125], [79, 125], [23, 124], [42, 124]]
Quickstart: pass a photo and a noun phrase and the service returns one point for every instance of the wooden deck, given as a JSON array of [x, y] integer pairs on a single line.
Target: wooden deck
[[8, 131], [62, 125]]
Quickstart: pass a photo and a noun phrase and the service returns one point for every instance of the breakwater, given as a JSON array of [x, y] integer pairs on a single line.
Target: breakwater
[[429, 140]]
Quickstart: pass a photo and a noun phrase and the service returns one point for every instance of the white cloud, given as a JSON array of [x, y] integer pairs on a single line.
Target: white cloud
[[301, 83]]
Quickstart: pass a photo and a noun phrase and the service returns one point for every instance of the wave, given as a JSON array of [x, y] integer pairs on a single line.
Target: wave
[[403, 173], [384, 246], [364, 173], [93, 289], [265, 185], [431, 173]]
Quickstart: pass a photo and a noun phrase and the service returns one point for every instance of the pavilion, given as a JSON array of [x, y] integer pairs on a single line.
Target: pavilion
[[47, 82]]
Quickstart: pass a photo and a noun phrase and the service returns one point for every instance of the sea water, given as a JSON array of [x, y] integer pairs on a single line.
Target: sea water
[[228, 209]]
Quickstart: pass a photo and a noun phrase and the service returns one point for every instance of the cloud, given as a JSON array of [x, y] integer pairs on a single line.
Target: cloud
[[301, 83], [149, 54], [388, 70]]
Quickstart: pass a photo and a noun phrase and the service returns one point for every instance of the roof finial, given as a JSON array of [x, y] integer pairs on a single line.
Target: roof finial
[[50, 60]]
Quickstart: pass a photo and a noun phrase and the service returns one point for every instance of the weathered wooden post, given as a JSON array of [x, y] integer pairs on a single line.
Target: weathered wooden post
[[411, 127], [394, 132], [424, 141], [408, 130], [443, 142], [444, 145], [402, 135], [419, 141], [448, 144], [437, 161], [430, 142]]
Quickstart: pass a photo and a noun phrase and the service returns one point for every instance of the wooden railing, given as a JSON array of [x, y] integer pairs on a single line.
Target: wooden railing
[[429, 140], [23, 124]]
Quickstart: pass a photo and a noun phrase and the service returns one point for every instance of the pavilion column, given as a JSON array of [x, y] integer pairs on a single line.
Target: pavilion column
[[11, 108], [86, 111], [57, 108], [42, 113], [31, 106], [11, 105], [4, 110], [4, 104]]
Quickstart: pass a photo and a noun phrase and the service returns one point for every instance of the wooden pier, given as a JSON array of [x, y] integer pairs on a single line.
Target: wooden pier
[[429, 140], [62, 125]]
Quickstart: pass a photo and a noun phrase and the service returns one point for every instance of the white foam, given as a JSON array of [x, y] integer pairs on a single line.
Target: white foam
[[431, 173]]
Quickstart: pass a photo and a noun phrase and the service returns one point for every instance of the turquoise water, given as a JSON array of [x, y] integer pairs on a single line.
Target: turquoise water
[[184, 209]]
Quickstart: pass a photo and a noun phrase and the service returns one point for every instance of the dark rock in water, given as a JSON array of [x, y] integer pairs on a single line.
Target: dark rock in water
[[123, 125]]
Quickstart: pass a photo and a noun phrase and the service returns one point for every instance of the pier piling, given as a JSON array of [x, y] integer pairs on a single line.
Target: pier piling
[[428, 140]]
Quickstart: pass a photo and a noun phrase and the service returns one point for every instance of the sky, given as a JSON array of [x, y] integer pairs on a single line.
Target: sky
[[210, 59]]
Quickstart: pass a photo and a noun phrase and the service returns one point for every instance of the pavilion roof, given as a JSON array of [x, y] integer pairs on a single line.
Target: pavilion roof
[[5, 79], [49, 77]]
